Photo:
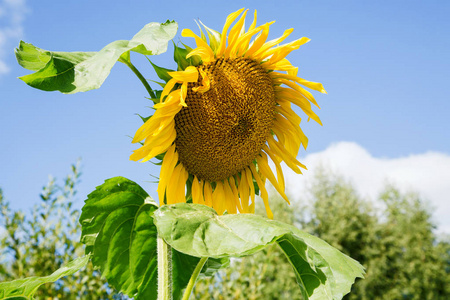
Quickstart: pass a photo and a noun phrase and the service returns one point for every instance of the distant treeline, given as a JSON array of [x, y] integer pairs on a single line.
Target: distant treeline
[[404, 259]]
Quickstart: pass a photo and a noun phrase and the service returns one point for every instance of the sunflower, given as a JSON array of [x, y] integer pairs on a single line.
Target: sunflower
[[220, 118]]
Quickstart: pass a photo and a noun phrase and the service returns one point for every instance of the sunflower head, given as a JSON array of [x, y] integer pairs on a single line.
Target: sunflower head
[[224, 113]]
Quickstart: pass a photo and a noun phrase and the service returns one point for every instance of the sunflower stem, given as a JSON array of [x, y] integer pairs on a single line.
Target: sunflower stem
[[193, 278], [164, 270], [140, 76]]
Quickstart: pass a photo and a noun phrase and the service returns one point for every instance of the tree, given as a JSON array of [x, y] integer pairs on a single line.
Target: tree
[[396, 244], [40, 242]]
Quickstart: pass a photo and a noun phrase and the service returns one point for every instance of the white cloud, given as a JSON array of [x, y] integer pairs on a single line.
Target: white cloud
[[427, 174], [12, 14]]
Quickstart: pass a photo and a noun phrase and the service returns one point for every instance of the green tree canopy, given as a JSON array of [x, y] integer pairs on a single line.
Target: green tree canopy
[[38, 242]]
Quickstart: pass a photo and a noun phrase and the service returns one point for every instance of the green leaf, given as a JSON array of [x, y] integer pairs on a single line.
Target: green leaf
[[25, 288], [322, 271], [179, 56], [118, 230], [73, 72], [162, 72]]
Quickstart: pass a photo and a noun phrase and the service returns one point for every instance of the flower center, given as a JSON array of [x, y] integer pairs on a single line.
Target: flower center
[[222, 130]]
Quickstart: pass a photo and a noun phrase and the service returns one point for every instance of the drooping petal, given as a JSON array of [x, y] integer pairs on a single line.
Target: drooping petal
[[309, 84], [167, 168], [265, 170], [244, 193], [197, 192], [230, 203], [280, 176], [207, 192], [218, 197], [237, 203], [263, 191]]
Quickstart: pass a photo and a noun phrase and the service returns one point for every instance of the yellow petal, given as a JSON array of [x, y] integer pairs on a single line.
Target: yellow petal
[[236, 194], [206, 83], [282, 51], [280, 151], [283, 65], [261, 53], [234, 34], [181, 189], [243, 193], [190, 74], [291, 116], [167, 167], [309, 84], [248, 176], [280, 175], [171, 194], [263, 191], [167, 88], [296, 98], [155, 145], [223, 40], [259, 41], [208, 54], [253, 25], [197, 192], [214, 37], [243, 41], [218, 197], [267, 172], [230, 203], [207, 192]]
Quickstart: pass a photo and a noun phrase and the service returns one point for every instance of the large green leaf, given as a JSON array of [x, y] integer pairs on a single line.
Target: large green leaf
[[118, 230], [72, 72], [25, 288], [322, 271]]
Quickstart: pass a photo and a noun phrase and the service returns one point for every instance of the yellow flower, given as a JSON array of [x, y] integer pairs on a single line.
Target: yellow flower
[[218, 122]]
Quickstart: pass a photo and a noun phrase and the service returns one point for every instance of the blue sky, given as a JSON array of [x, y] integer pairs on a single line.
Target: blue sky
[[385, 65]]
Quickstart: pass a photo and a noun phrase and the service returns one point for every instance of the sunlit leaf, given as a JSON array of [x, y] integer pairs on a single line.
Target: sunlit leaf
[[322, 271], [118, 230], [25, 288], [162, 73], [72, 72], [179, 56]]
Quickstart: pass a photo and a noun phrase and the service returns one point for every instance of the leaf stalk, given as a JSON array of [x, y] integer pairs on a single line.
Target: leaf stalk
[[140, 76], [193, 278]]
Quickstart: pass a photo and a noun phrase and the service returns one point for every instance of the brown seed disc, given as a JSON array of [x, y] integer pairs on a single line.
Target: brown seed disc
[[221, 131]]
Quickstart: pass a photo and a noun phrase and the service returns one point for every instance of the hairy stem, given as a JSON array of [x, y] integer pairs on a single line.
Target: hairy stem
[[164, 270]]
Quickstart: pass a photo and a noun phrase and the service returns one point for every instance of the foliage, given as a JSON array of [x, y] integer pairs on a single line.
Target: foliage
[[73, 72], [122, 227], [322, 272], [396, 244], [40, 242]]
